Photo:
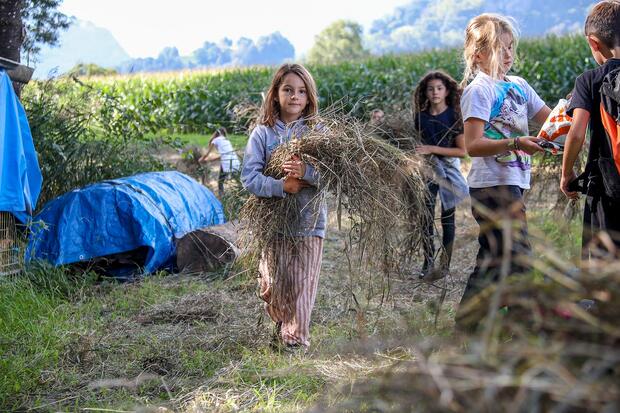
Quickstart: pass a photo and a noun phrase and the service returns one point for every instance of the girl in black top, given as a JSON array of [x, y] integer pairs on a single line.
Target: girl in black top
[[438, 119]]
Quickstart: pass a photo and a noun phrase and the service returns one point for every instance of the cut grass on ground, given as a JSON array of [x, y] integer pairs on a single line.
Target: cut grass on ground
[[198, 344]]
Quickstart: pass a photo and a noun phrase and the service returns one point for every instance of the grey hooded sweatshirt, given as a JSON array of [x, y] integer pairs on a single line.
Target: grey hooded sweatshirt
[[263, 141]]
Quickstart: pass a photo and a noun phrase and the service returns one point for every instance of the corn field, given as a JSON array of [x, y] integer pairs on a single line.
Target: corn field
[[197, 101]]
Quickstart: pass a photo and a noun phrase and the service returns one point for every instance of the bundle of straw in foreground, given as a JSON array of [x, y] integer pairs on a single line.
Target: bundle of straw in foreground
[[379, 186], [548, 353]]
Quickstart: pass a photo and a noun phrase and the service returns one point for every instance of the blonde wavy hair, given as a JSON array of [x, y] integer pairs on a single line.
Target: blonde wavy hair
[[483, 35]]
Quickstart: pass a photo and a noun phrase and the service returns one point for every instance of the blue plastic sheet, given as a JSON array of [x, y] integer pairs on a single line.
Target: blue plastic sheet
[[20, 175], [111, 217]]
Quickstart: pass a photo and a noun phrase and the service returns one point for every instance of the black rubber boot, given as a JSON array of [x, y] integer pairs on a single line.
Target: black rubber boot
[[427, 267]]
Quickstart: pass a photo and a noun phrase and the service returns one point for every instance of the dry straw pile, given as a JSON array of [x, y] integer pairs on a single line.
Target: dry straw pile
[[379, 187], [398, 128], [548, 353]]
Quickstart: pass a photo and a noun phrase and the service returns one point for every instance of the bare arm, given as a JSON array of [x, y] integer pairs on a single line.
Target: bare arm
[[574, 142], [478, 145], [457, 151], [542, 115], [204, 157]]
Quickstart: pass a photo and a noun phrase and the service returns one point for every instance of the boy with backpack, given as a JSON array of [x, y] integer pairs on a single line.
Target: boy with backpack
[[595, 103]]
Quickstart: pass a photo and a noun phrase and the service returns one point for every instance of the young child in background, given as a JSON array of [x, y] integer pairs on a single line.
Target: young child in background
[[288, 108], [496, 109], [377, 117], [437, 117], [601, 211], [229, 162]]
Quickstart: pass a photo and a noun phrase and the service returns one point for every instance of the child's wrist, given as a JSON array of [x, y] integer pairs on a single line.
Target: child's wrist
[[568, 173], [512, 144]]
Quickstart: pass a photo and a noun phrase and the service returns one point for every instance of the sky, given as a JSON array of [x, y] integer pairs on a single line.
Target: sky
[[144, 27]]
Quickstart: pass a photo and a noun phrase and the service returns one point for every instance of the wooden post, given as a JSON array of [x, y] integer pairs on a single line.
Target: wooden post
[[18, 73]]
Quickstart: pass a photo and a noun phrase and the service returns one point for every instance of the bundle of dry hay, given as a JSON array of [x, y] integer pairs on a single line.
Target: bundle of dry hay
[[547, 353], [398, 129], [245, 114], [379, 186]]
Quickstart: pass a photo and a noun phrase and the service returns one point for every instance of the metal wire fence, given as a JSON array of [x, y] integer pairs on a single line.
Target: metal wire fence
[[10, 257]]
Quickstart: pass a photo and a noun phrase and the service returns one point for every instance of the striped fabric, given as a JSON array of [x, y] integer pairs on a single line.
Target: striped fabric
[[289, 277]]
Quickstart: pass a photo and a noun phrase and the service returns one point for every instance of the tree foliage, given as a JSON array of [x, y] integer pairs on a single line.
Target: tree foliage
[[90, 69], [341, 41], [214, 54], [26, 25], [42, 22]]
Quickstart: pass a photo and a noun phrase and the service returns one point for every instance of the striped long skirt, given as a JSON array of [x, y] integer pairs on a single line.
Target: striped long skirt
[[289, 277]]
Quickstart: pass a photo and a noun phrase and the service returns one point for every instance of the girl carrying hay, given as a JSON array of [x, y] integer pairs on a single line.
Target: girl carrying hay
[[437, 116], [290, 264], [496, 109]]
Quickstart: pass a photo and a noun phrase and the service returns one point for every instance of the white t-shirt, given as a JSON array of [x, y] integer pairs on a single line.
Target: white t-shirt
[[506, 106], [229, 159]]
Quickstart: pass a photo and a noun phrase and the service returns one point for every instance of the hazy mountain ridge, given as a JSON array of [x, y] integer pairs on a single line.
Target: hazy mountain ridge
[[419, 25], [426, 24], [83, 42]]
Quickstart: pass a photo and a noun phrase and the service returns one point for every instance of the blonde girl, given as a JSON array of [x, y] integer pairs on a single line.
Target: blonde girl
[[496, 109], [289, 269]]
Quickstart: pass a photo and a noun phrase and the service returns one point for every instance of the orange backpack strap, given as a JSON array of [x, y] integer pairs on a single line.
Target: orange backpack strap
[[609, 156], [612, 128]]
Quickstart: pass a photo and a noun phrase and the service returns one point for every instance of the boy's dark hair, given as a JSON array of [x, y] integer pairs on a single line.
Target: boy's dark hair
[[603, 21]]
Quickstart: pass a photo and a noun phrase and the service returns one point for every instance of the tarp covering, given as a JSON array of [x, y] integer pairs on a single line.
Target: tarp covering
[[111, 217], [20, 175]]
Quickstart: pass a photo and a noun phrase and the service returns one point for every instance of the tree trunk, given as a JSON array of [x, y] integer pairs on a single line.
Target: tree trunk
[[11, 31], [208, 249]]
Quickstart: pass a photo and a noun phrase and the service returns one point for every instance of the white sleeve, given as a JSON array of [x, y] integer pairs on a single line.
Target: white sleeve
[[476, 102], [534, 102]]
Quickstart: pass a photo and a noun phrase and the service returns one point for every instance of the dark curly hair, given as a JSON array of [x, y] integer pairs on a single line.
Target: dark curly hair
[[419, 101]]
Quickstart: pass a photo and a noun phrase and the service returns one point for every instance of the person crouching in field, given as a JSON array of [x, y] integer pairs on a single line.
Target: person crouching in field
[[496, 109], [437, 117], [602, 208], [289, 269], [229, 162]]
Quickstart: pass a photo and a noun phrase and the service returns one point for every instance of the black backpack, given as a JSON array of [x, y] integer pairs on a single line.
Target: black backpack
[[608, 161], [609, 157]]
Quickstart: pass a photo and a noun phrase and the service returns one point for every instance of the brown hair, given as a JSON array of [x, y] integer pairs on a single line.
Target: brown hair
[[270, 110], [221, 131], [419, 101], [483, 35], [603, 21]]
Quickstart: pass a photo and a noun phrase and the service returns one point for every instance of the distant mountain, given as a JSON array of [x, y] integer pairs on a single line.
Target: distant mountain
[[83, 42], [426, 24], [272, 49]]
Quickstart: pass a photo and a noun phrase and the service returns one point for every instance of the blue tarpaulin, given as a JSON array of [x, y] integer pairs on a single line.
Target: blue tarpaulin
[[116, 216], [20, 175]]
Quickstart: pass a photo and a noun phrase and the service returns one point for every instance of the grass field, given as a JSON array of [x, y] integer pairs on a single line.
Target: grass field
[[238, 141], [201, 343]]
